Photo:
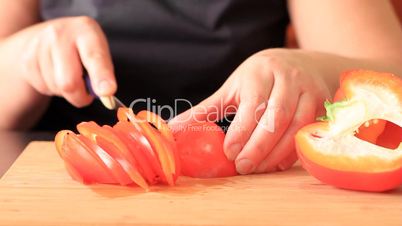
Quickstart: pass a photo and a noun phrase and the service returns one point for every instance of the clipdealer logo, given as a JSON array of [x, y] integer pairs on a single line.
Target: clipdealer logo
[[263, 115]]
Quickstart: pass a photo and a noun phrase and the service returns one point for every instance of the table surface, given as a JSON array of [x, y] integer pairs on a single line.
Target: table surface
[[38, 191]]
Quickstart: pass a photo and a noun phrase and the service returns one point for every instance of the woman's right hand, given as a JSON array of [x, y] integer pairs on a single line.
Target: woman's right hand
[[56, 53]]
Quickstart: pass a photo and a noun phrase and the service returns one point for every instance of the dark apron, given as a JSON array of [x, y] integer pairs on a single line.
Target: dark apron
[[169, 49]]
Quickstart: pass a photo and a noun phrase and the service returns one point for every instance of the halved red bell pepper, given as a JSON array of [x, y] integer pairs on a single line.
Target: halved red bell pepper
[[346, 150]]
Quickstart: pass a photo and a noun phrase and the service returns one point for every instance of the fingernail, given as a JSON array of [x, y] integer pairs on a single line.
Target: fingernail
[[233, 151], [108, 101], [105, 88], [245, 166]]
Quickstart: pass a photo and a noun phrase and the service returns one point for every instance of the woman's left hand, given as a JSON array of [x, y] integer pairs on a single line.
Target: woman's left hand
[[273, 93]]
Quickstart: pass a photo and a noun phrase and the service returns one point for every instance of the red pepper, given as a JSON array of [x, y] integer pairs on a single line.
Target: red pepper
[[358, 146], [140, 149]]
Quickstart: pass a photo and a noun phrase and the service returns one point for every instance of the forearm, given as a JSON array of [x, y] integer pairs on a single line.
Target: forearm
[[330, 66], [355, 34], [20, 105]]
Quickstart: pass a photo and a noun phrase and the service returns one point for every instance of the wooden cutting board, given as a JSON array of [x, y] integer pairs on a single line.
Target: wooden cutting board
[[38, 191]]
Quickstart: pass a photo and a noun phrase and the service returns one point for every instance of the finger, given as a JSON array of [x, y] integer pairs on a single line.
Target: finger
[[94, 52], [276, 118], [46, 65], [31, 68], [68, 71], [253, 103], [36, 80], [304, 114]]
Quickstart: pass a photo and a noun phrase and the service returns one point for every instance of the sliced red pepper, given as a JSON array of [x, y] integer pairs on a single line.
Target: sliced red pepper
[[164, 129], [111, 143], [137, 151], [158, 122], [141, 148], [79, 160], [159, 144], [73, 172], [110, 163]]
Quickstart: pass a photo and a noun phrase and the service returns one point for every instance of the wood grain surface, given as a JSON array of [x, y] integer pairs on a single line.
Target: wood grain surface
[[38, 191]]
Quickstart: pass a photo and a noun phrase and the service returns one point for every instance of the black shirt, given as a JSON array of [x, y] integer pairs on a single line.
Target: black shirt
[[166, 50]]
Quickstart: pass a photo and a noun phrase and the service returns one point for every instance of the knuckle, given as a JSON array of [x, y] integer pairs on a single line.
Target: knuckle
[[67, 86], [86, 21], [267, 61], [275, 61], [293, 75], [94, 55], [254, 99], [265, 65], [53, 30]]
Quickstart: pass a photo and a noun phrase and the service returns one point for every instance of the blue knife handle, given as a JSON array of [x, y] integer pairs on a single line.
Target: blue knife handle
[[88, 86]]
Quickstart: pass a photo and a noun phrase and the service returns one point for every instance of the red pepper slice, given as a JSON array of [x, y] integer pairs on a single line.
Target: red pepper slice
[[164, 129], [139, 154], [110, 163], [158, 142], [143, 149], [79, 159], [111, 143]]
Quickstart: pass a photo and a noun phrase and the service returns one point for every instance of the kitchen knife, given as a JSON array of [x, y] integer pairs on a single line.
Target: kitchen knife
[[110, 102]]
